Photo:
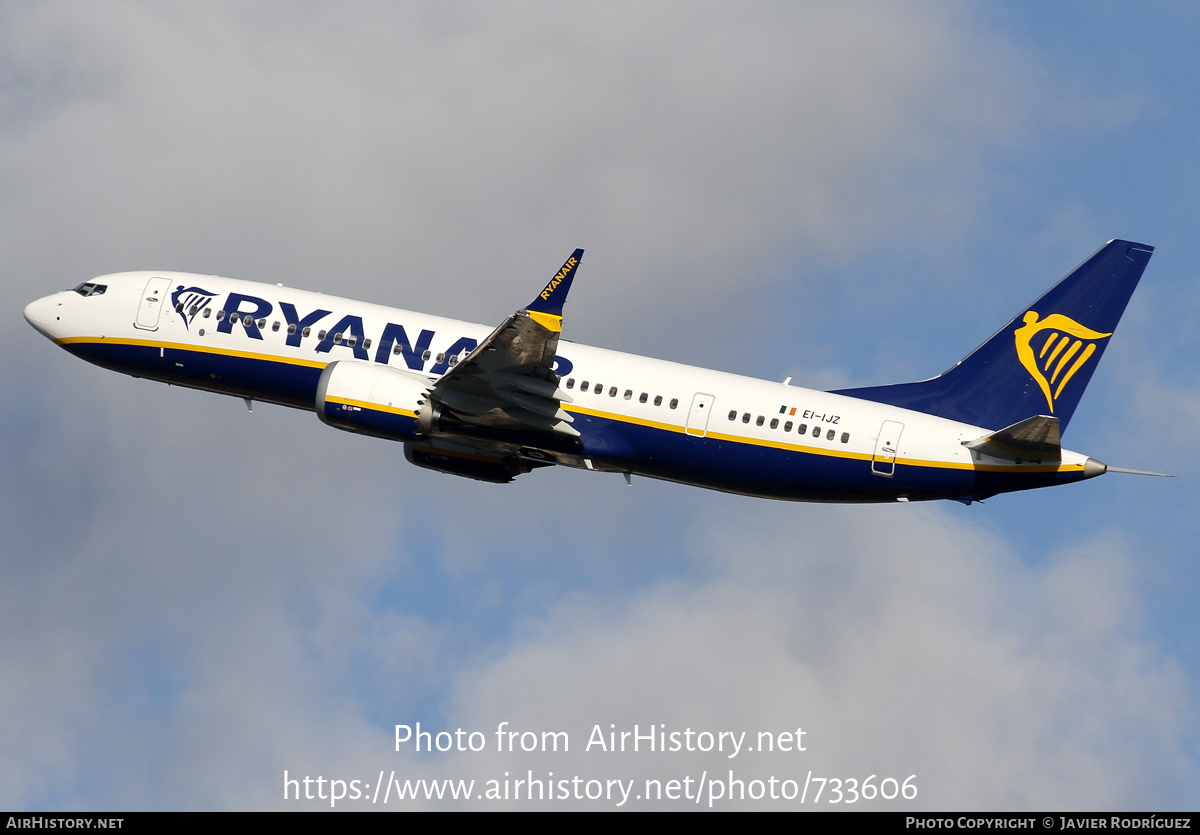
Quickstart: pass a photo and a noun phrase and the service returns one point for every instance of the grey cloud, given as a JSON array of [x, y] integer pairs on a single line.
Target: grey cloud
[[905, 644], [396, 153]]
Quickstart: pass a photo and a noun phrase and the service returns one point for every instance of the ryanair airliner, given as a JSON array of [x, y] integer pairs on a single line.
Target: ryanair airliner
[[492, 404]]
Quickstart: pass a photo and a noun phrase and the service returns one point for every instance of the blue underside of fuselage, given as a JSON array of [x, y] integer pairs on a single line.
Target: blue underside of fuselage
[[617, 445]]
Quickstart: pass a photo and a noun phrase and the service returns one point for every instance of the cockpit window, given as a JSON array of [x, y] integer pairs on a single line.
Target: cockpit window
[[90, 288]]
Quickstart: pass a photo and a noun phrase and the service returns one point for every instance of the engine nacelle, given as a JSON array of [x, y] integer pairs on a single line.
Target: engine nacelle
[[373, 399]]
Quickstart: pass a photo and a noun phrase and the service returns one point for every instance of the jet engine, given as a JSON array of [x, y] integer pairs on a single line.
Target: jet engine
[[372, 399]]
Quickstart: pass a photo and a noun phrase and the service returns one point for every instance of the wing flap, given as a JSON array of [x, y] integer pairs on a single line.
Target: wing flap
[[541, 405], [508, 381]]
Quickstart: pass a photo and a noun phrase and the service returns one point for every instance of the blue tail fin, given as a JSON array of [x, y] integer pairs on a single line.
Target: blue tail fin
[[1041, 361]]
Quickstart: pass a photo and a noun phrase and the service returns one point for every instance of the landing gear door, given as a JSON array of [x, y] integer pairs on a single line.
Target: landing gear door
[[151, 304], [883, 462], [697, 422]]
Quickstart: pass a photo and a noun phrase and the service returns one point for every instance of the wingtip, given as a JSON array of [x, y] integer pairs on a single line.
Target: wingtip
[[550, 299]]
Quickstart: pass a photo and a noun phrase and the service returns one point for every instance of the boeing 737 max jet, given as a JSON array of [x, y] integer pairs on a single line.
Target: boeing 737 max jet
[[493, 404]]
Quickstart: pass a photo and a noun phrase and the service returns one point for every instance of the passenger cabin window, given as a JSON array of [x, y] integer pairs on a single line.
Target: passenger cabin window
[[658, 400], [207, 312], [612, 392], [425, 356], [570, 382], [802, 428], [787, 427], [674, 402], [746, 417], [644, 397], [628, 393], [759, 422], [816, 431], [845, 437], [829, 435], [774, 423], [90, 288], [733, 414], [274, 326], [321, 335], [304, 333], [583, 386], [220, 315]]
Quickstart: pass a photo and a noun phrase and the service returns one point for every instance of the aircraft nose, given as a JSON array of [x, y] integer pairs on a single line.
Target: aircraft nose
[[40, 314]]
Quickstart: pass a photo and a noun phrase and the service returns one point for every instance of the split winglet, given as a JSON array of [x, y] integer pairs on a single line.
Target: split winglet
[[547, 307]]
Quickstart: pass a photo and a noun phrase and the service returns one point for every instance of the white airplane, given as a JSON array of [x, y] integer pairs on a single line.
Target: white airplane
[[492, 404]]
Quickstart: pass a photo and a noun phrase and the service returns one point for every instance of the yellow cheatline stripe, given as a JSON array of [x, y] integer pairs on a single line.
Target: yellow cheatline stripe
[[184, 346], [810, 450], [667, 427], [1030, 468], [828, 453], [374, 407], [992, 468], [547, 320]]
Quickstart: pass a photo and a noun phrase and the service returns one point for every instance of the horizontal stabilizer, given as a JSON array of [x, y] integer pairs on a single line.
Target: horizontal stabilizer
[[1035, 440]]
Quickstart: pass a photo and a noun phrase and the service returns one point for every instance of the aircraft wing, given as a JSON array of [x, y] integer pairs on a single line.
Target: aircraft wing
[[508, 381]]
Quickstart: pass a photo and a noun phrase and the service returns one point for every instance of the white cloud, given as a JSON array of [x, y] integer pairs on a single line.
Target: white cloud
[[903, 642], [404, 151]]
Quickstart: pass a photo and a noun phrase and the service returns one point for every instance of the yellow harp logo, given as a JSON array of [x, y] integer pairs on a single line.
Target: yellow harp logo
[[1068, 346]]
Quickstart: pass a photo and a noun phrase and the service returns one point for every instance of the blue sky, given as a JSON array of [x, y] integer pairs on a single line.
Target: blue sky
[[195, 598]]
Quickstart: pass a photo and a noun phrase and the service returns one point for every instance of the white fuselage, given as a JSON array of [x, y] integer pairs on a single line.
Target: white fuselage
[[634, 414]]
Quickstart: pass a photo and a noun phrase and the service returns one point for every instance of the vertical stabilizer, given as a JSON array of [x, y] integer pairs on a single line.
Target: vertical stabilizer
[[1041, 361]]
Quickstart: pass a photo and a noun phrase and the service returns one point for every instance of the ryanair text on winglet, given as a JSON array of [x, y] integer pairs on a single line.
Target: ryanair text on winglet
[[557, 280]]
